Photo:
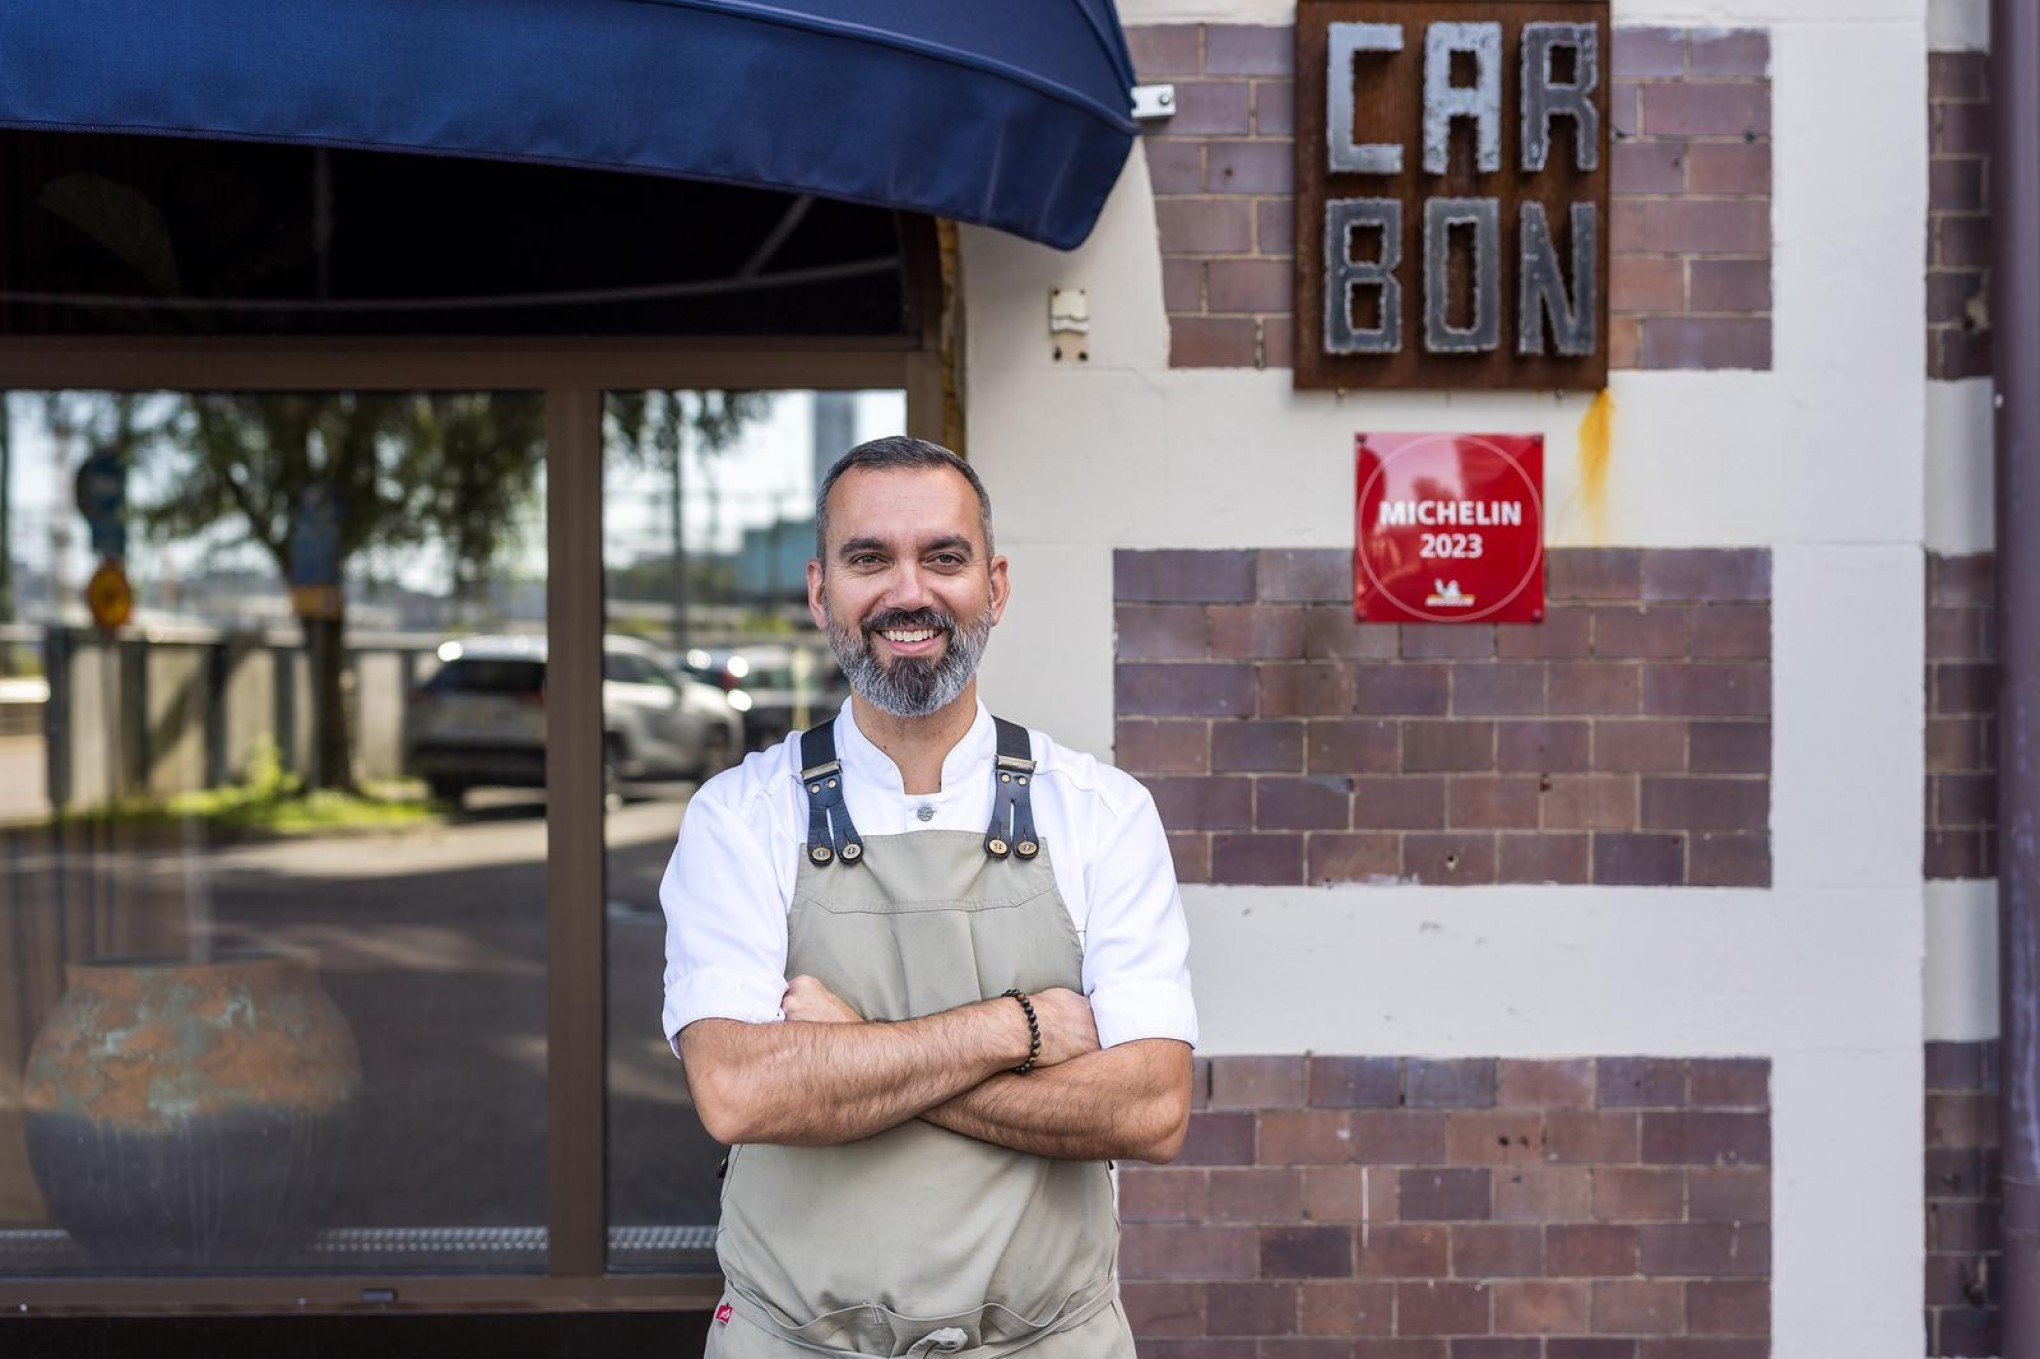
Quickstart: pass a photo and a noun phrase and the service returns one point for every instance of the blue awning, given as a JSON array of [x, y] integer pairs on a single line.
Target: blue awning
[[1012, 114]]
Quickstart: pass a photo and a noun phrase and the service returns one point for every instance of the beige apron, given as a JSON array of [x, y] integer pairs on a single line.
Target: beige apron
[[919, 1241]]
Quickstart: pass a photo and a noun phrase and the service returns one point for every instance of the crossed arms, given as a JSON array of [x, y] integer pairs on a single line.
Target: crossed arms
[[826, 1076]]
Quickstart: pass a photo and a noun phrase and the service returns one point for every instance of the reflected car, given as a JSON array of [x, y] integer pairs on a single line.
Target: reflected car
[[479, 721], [780, 689]]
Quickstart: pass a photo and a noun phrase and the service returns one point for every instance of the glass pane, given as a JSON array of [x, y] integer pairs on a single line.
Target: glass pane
[[708, 512], [272, 849]]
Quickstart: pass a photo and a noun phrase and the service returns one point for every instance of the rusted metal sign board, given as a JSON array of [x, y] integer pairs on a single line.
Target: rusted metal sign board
[[1452, 194]]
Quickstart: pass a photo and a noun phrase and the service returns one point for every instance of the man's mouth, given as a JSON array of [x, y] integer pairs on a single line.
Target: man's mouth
[[918, 639]]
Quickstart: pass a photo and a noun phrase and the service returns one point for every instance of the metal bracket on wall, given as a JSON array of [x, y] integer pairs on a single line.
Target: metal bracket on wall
[[1154, 101]]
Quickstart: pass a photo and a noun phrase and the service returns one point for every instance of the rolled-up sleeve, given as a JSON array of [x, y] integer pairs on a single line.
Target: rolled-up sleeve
[[1136, 944], [725, 922]]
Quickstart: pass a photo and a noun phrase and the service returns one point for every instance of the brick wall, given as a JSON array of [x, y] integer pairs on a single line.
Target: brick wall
[[1963, 1202], [1690, 233], [1385, 1208], [1961, 692], [1958, 217], [1690, 199], [1626, 739]]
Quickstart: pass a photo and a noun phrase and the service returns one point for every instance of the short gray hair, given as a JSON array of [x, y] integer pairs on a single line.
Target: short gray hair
[[895, 453]]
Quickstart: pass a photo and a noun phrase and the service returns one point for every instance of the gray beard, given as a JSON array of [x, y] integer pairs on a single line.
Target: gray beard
[[910, 686]]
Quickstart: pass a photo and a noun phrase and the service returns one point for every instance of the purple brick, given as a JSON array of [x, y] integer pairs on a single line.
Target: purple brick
[[1706, 804], [1731, 747], [1257, 1082], [1260, 859], [1306, 576], [1354, 746], [1711, 690], [1219, 1139], [1956, 75], [1164, 49], [1728, 168], [1266, 167], [1182, 577], [1492, 802], [1362, 857], [1729, 860], [1450, 1083], [1275, 108], [1639, 747], [1565, 634], [1250, 49], [1960, 129], [1213, 341], [1256, 632], [1706, 343], [1355, 1082], [1640, 1083], [1310, 689], [1639, 860], [1438, 1195], [1175, 166], [1456, 859], [1731, 52], [1705, 226], [1203, 803], [1159, 632], [1254, 1309], [1184, 690], [1594, 573], [1454, 746], [1275, 229], [1731, 285], [1153, 1250], [1399, 802], [1955, 184], [1162, 747], [1306, 1252], [1249, 285], [1648, 52], [1182, 284], [1511, 689], [1648, 167], [1731, 1082], [1553, 747], [1649, 631], [1204, 226], [1544, 858], [1405, 690], [1705, 1137], [1595, 688], [1303, 804], [1732, 632], [1271, 747], [1221, 108], [1423, 643], [1712, 110], [1707, 575], [1705, 1250]]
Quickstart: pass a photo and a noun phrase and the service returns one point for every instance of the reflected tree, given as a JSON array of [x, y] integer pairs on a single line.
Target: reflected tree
[[449, 474], [657, 429]]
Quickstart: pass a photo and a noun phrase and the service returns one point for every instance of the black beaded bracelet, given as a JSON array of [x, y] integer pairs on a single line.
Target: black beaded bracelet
[[1033, 1031]]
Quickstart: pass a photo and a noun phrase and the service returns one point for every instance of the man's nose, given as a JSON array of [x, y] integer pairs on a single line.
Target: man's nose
[[908, 589]]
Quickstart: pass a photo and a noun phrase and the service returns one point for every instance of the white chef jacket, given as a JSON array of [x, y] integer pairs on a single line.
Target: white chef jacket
[[729, 884]]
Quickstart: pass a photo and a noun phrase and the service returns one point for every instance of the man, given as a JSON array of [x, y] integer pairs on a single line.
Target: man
[[927, 970]]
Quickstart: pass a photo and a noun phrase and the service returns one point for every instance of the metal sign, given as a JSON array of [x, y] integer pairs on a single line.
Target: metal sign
[[1449, 529], [109, 596], [315, 554], [1452, 194]]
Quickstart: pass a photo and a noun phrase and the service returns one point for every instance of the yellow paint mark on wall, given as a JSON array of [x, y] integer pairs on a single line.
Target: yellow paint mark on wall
[[1596, 438]]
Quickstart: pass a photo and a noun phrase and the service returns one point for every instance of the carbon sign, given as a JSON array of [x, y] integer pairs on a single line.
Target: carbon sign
[[1450, 528]]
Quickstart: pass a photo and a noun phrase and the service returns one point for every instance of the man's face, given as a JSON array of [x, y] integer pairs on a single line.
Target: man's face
[[907, 592]]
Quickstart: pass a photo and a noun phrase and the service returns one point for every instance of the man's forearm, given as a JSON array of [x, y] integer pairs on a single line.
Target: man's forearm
[[812, 1084], [1129, 1102]]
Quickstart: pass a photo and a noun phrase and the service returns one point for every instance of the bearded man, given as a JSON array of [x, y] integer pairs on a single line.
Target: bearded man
[[927, 970]]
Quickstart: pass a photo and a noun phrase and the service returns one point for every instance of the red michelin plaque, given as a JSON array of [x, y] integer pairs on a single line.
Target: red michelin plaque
[[1450, 529]]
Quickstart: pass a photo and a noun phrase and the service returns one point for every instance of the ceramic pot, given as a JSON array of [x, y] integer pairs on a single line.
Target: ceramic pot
[[191, 1116]]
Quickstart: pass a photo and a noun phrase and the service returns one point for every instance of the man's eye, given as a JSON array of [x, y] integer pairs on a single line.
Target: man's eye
[[948, 559]]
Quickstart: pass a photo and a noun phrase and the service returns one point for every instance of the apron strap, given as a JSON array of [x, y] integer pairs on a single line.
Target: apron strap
[[1012, 828], [830, 835]]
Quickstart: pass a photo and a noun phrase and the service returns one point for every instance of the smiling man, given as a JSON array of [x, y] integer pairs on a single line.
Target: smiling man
[[928, 973]]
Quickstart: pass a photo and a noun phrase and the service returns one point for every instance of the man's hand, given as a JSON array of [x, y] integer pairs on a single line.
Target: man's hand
[[807, 1000], [1068, 1029]]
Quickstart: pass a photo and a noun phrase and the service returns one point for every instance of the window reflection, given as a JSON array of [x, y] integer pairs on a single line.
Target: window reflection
[[708, 508], [274, 981]]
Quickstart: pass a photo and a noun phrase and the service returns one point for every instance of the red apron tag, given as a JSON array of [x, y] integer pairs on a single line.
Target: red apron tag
[[722, 1314]]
